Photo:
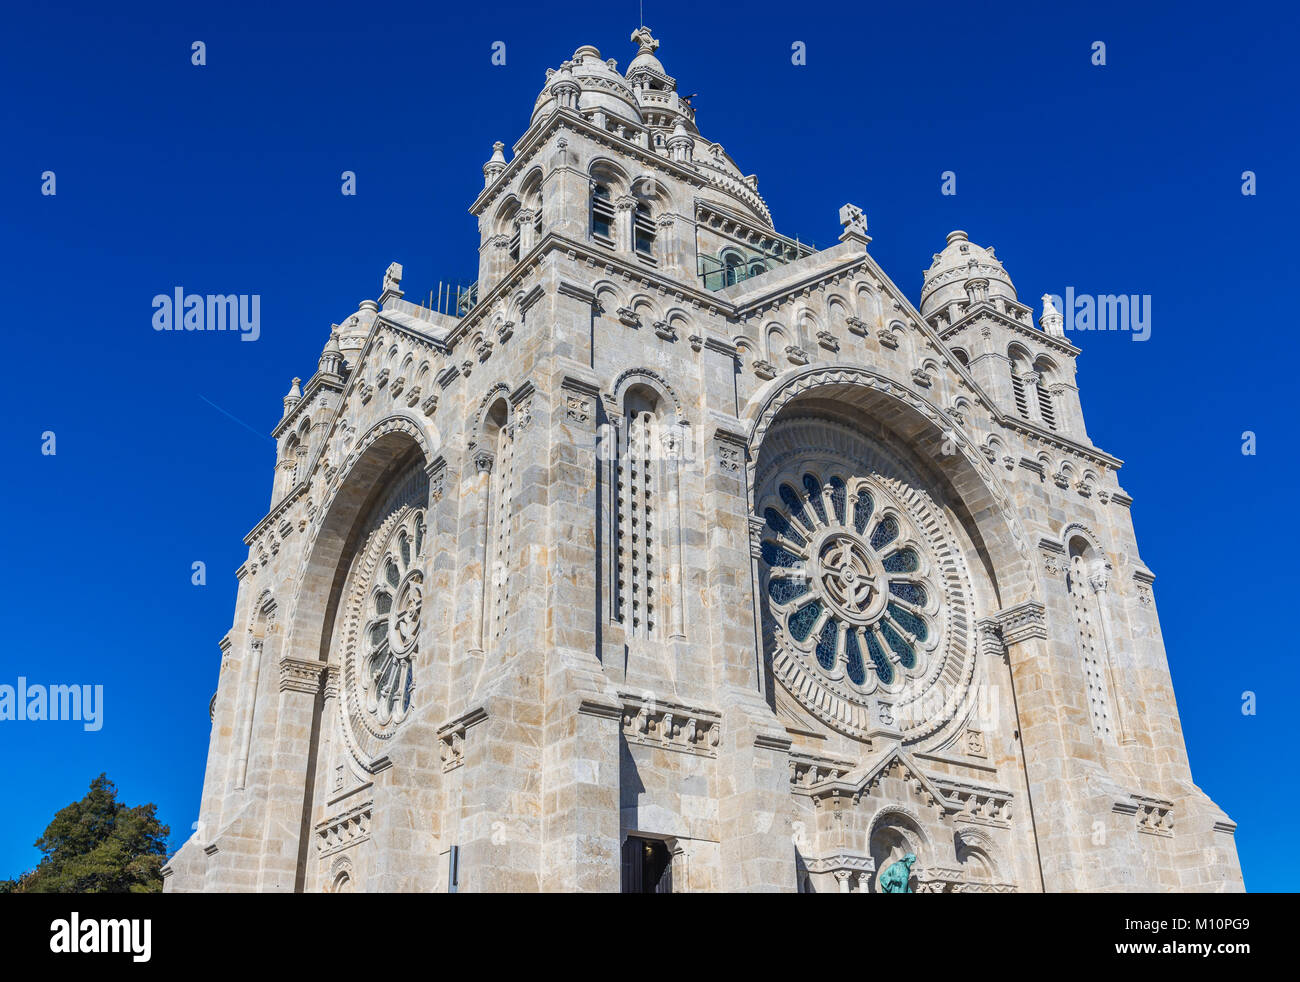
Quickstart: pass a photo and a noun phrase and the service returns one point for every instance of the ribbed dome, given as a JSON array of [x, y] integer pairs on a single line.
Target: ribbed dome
[[645, 60], [601, 87], [960, 262]]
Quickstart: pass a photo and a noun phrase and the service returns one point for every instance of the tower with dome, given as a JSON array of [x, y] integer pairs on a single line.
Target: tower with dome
[[679, 555]]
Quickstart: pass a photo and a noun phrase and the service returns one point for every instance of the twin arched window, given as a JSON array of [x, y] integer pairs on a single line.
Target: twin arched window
[[606, 230], [1036, 375]]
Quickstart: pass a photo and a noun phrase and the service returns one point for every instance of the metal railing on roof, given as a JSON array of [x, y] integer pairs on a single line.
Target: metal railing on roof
[[453, 299], [732, 267]]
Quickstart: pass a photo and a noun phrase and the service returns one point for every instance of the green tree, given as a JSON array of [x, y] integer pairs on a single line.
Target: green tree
[[98, 845]]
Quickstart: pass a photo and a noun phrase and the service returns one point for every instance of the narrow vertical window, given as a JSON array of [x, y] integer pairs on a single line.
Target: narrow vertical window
[[1018, 390], [644, 231], [1045, 407], [602, 214]]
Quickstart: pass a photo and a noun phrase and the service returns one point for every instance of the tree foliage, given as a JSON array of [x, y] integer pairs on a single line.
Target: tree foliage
[[98, 845]]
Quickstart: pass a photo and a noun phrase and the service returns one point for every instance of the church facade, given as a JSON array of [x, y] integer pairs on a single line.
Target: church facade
[[682, 556]]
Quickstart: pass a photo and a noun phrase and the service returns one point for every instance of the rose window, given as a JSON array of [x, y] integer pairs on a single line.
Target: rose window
[[392, 627], [844, 580], [865, 587]]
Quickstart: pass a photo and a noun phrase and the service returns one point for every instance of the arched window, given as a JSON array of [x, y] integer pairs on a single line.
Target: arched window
[[1019, 369], [733, 266], [602, 214], [643, 231], [531, 193], [302, 451], [1045, 372], [507, 224], [290, 463], [635, 594], [1083, 582]]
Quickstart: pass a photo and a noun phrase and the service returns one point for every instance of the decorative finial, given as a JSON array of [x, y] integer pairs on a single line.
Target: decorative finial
[[393, 278], [496, 164], [1052, 322], [854, 220], [293, 397], [645, 39]]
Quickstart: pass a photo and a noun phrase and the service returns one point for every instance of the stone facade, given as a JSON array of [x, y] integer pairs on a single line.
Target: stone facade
[[681, 538]]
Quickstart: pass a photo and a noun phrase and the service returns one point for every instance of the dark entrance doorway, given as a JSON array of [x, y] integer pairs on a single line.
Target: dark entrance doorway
[[647, 866]]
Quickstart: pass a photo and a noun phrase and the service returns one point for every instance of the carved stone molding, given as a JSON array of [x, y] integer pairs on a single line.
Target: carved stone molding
[[730, 448], [301, 674], [580, 398], [1023, 622], [1154, 816], [1053, 556], [980, 804], [451, 737], [807, 769], [346, 829], [671, 725], [330, 682]]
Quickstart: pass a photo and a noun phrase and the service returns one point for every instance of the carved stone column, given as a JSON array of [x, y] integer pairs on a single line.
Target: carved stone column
[[624, 218], [526, 223]]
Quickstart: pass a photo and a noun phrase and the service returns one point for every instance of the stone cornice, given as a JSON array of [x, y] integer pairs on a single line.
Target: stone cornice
[[585, 252], [1010, 422], [277, 510]]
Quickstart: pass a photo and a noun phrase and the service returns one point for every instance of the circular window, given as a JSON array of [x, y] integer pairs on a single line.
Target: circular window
[[865, 587], [393, 625]]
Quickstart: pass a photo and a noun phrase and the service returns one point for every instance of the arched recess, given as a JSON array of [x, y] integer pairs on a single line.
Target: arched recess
[[970, 547], [894, 833], [644, 511], [370, 512], [977, 855], [258, 669], [386, 449]]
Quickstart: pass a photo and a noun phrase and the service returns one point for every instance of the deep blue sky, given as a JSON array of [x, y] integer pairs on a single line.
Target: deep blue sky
[[1122, 179]]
